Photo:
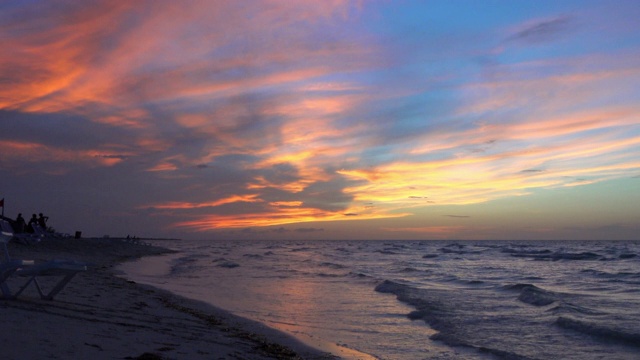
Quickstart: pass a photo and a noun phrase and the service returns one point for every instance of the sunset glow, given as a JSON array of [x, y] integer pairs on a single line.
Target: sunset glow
[[355, 119]]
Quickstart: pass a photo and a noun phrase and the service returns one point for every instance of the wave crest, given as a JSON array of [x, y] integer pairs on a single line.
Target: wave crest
[[601, 331]]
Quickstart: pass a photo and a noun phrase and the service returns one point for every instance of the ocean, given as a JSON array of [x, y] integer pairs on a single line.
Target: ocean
[[420, 299]]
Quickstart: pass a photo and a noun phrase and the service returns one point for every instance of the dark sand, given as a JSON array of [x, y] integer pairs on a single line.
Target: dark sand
[[102, 316]]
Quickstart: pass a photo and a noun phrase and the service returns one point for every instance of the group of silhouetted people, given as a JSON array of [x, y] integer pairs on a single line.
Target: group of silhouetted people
[[20, 226]]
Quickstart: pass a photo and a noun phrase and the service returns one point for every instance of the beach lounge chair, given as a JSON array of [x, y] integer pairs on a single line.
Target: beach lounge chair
[[7, 266], [65, 270]]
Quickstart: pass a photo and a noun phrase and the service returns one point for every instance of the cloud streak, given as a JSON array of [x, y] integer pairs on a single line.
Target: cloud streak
[[541, 30]]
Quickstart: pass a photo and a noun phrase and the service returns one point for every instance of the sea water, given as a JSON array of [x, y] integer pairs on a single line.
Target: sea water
[[421, 299]]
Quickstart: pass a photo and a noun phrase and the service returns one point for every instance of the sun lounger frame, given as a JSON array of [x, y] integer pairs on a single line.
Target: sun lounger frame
[[65, 269], [56, 289]]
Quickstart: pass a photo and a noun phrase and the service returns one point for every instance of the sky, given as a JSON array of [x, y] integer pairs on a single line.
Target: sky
[[323, 119]]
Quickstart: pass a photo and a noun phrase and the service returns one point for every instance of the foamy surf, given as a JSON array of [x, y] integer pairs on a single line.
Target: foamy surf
[[415, 300]]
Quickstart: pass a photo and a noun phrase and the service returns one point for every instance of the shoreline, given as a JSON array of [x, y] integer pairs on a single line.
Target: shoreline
[[101, 315]]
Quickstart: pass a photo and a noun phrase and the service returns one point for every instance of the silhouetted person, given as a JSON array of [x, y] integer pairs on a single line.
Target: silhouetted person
[[20, 224], [42, 221], [32, 221]]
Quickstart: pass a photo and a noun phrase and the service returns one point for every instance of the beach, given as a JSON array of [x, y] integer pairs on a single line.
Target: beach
[[100, 315]]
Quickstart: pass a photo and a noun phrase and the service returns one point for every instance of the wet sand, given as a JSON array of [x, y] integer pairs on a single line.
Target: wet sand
[[102, 316]]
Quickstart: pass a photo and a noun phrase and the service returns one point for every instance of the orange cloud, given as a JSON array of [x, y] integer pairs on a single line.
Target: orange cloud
[[280, 216], [163, 167], [23, 152], [286, 203], [189, 205]]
